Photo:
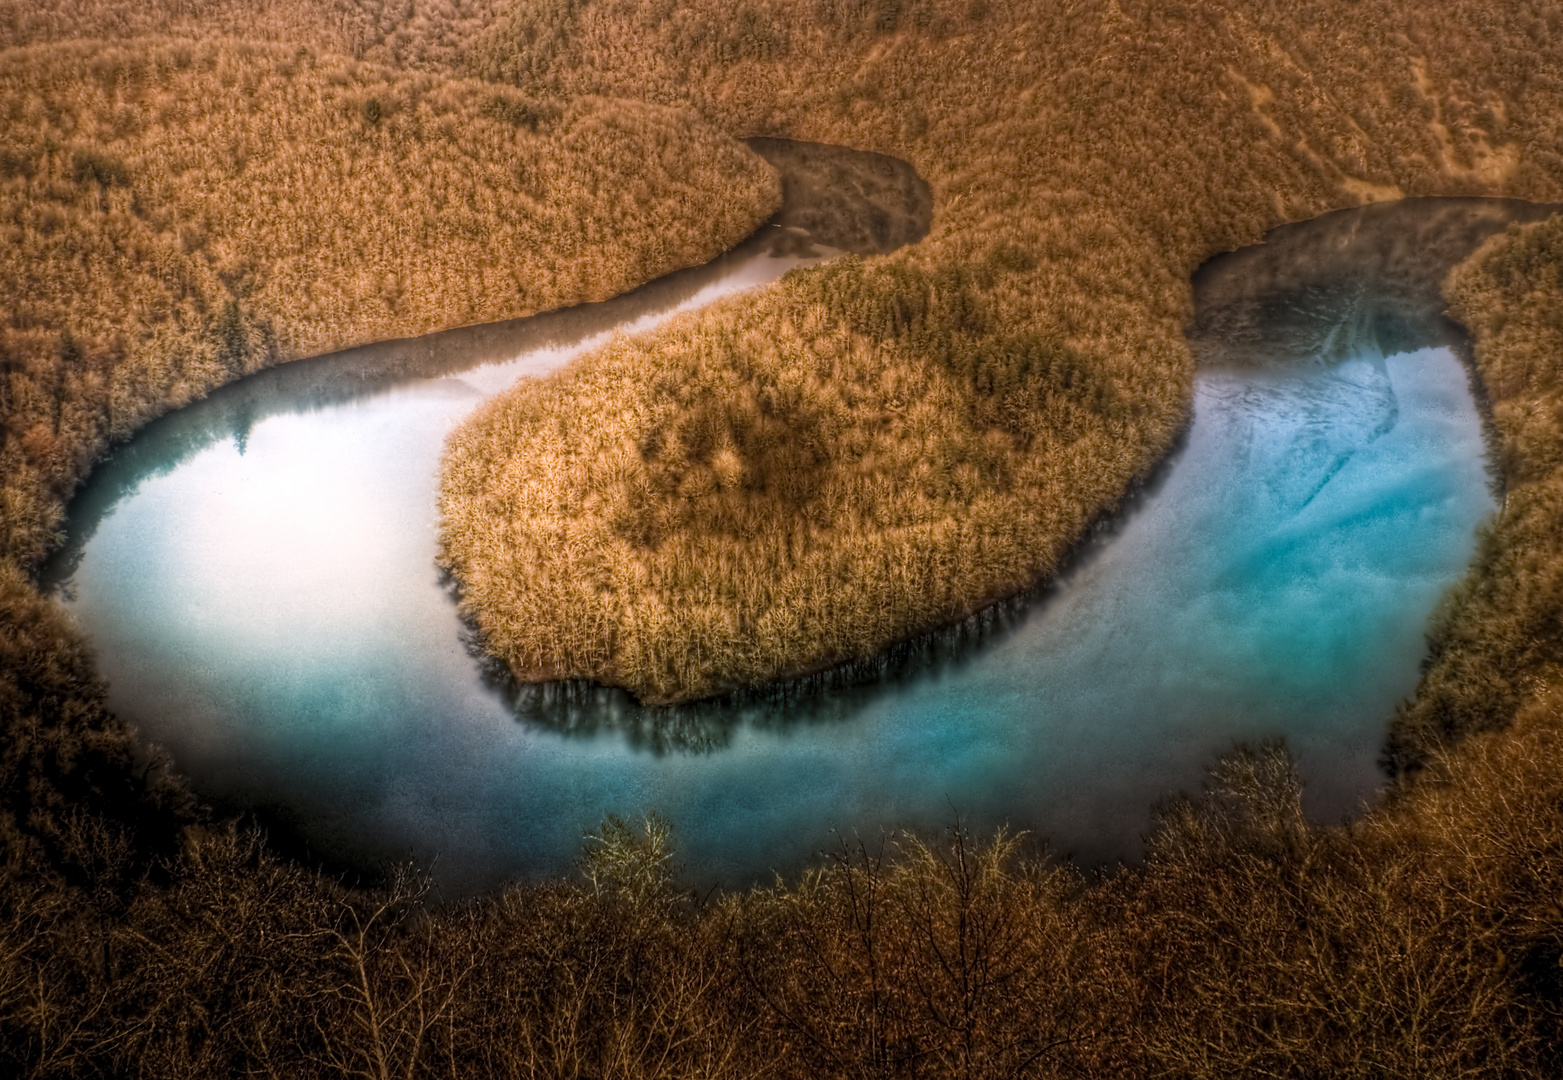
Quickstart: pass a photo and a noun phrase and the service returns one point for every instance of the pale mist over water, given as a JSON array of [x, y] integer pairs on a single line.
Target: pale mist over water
[[261, 589]]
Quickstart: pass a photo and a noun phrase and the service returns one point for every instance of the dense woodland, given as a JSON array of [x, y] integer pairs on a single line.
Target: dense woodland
[[177, 215], [1083, 159], [432, 35]]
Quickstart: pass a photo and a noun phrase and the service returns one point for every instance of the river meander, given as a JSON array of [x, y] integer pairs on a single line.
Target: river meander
[[256, 573]]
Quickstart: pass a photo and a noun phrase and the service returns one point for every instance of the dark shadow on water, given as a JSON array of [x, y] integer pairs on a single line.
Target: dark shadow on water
[[1317, 290], [586, 709], [856, 201]]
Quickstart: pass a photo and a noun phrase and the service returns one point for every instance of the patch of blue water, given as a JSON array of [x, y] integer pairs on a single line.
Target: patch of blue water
[[275, 620]]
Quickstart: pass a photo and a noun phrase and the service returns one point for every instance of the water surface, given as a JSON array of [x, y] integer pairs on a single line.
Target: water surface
[[257, 575]]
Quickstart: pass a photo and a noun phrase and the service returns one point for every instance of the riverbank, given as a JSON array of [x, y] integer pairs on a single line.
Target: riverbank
[[1496, 650]]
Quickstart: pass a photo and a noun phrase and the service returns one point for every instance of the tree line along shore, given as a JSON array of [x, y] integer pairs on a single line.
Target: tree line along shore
[[1084, 159]]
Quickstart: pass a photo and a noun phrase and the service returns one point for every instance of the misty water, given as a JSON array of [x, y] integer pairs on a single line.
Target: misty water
[[256, 573]]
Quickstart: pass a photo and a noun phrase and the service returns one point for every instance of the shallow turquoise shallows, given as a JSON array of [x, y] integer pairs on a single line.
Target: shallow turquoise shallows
[[257, 575]]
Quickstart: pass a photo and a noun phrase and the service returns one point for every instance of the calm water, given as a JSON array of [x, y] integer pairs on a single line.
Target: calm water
[[257, 575]]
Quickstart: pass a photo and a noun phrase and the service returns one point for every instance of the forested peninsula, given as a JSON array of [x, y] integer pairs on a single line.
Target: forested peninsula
[[1084, 159], [877, 449]]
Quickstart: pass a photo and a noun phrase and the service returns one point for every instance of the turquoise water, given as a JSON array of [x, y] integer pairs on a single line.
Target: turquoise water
[[257, 575]]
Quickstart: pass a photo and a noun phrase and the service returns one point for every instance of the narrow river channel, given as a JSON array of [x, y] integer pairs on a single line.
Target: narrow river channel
[[257, 575]]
